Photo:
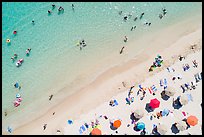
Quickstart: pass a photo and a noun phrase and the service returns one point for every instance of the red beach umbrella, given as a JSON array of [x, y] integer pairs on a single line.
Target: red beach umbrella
[[154, 103]]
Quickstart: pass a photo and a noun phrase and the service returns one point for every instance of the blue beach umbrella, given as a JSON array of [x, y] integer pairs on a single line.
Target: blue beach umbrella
[[140, 125], [165, 112]]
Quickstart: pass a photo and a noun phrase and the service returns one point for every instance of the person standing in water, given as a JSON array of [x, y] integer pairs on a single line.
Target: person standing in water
[[73, 7]]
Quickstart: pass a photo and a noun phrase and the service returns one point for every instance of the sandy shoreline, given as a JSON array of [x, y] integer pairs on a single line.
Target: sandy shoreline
[[107, 85]]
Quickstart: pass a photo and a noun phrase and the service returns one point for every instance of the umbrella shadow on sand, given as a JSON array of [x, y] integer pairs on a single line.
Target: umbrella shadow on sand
[[148, 108], [164, 96], [176, 104], [112, 127], [174, 129], [136, 129]]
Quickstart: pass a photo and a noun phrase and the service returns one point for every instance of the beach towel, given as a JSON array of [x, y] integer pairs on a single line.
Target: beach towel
[[69, 122], [150, 90], [190, 98], [115, 103]]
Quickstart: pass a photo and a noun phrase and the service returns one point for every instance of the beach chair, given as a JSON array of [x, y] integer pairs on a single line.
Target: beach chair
[[199, 76], [161, 82], [127, 101], [165, 83], [82, 129], [150, 90], [190, 98], [196, 77], [183, 88], [153, 87]]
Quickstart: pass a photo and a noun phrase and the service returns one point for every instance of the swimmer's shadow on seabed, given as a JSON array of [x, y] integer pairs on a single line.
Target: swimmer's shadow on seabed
[[60, 12]]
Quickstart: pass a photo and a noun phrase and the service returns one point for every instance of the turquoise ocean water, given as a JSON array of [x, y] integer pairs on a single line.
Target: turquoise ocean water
[[55, 61]]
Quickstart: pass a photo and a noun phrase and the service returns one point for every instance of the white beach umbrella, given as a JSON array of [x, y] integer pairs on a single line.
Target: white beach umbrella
[[183, 100], [181, 125], [162, 129], [138, 113], [170, 91]]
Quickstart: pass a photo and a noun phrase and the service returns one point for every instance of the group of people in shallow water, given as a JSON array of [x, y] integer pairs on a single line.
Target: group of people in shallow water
[[20, 61], [126, 17], [60, 9]]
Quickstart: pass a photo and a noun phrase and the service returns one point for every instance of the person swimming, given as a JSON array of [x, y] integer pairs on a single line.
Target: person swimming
[[160, 16], [12, 58], [125, 18], [141, 15], [164, 11], [28, 51], [33, 22], [72, 6], [53, 6], [15, 55], [120, 12], [135, 18], [49, 12]]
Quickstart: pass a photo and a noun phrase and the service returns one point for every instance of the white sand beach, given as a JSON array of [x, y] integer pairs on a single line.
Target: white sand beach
[[93, 100]]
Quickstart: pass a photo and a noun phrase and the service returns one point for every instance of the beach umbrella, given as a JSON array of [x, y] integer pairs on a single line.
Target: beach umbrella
[[192, 120], [183, 100], [96, 131], [154, 103], [181, 125], [138, 113], [140, 125], [169, 91], [117, 123], [165, 112], [162, 129]]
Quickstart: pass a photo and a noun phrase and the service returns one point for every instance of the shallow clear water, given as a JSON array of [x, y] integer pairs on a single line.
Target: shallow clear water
[[55, 60]]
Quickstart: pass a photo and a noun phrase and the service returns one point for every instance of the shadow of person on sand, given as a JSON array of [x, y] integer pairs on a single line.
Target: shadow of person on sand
[[148, 108]]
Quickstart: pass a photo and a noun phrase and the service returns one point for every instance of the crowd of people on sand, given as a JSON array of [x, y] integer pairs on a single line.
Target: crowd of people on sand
[[188, 120], [115, 124]]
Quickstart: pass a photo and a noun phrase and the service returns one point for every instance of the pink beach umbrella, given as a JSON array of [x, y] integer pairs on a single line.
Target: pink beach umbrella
[[154, 103]]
